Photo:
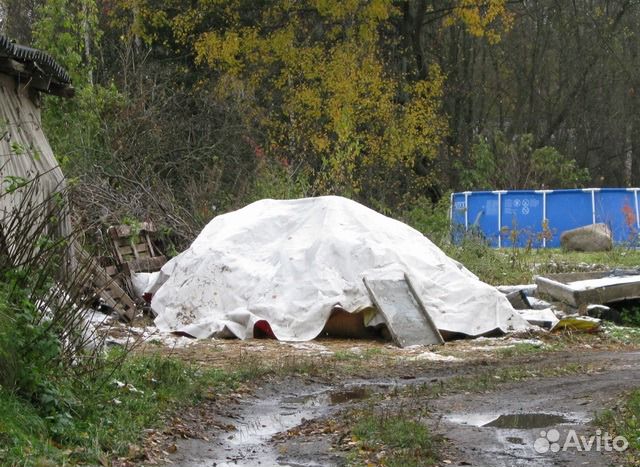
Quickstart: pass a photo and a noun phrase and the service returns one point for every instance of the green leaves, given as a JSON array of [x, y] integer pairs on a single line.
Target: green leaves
[[12, 183], [499, 162], [68, 30]]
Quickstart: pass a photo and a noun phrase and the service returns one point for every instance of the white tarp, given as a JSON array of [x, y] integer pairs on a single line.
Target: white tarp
[[291, 262]]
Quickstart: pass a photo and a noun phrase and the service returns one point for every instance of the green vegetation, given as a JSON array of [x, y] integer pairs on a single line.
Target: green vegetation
[[497, 161], [490, 379], [187, 110], [63, 398], [346, 355], [519, 265], [518, 350], [630, 316], [623, 334], [624, 420], [394, 439], [93, 420], [361, 354]]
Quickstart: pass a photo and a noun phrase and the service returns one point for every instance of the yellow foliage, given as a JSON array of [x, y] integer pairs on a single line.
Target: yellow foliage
[[325, 96], [482, 18], [214, 48]]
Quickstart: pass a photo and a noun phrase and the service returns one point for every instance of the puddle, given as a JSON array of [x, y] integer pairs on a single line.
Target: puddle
[[520, 421], [354, 394], [257, 422], [248, 445], [510, 438], [340, 396], [527, 421]]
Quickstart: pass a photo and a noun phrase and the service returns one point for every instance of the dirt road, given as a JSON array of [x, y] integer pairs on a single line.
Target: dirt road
[[569, 403], [489, 411]]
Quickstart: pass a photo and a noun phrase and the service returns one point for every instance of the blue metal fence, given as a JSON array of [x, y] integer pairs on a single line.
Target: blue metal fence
[[538, 217]]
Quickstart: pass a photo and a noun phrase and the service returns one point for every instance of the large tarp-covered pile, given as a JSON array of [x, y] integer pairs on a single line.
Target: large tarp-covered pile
[[290, 263]]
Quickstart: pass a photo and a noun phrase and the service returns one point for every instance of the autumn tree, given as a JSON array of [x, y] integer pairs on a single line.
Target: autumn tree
[[332, 107], [218, 103]]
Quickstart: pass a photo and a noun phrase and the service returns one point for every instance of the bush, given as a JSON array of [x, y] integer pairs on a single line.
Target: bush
[[62, 400], [431, 219]]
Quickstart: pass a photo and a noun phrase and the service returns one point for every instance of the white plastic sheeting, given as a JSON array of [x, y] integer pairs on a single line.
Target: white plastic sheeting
[[142, 282], [291, 262]]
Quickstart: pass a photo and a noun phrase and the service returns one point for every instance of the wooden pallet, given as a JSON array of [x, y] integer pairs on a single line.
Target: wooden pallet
[[105, 286], [133, 249]]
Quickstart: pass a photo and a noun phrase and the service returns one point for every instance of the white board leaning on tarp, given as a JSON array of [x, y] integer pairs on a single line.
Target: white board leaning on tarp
[[291, 262]]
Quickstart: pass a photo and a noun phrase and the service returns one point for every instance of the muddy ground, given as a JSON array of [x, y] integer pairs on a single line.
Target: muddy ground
[[304, 418]]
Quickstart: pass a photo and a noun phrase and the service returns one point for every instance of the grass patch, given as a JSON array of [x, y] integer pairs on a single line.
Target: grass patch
[[490, 379], [23, 434], [625, 421], [105, 417], [347, 356], [623, 334], [519, 265], [521, 349], [398, 439], [363, 354]]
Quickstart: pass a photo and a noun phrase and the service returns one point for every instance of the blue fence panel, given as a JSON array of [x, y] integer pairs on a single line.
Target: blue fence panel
[[616, 208], [482, 212], [458, 220], [502, 217], [567, 209], [522, 218]]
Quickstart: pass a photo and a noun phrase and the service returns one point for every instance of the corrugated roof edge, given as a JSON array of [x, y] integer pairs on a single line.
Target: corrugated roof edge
[[39, 62]]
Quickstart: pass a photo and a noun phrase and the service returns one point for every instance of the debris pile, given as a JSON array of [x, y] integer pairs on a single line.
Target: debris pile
[[299, 269], [284, 268], [577, 301]]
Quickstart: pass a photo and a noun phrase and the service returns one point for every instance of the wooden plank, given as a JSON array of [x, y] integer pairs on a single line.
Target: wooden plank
[[120, 231], [126, 231], [145, 264], [113, 234], [106, 287], [152, 250], [143, 249], [111, 270], [126, 249], [135, 251], [122, 241], [407, 319]]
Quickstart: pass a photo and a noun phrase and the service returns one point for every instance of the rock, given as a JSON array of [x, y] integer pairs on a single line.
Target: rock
[[595, 237]]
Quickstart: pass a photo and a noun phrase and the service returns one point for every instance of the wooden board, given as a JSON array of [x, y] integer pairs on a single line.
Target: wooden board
[[407, 319], [105, 286], [134, 251]]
